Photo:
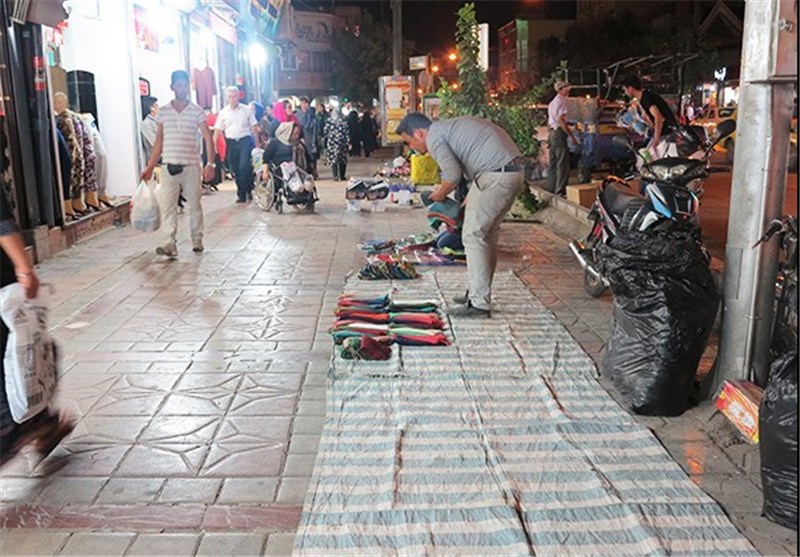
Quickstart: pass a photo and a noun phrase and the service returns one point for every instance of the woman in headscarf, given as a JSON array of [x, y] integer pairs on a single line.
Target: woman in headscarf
[[287, 147], [279, 112], [337, 140]]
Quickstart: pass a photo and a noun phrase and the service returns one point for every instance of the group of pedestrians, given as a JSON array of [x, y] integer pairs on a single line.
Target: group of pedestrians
[[650, 106]]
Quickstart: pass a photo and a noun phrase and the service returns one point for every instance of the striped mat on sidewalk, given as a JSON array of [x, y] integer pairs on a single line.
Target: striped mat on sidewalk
[[502, 444]]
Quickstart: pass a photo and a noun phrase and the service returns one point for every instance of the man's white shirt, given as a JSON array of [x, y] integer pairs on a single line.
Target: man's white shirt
[[235, 123]]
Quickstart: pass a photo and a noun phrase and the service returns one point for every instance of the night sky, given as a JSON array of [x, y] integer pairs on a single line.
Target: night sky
[[431, 23]]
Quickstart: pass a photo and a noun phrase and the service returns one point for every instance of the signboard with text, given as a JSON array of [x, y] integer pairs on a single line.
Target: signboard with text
[[396, 100]]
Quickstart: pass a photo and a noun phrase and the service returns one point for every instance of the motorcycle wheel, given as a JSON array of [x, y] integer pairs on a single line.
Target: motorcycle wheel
[[594, 287]]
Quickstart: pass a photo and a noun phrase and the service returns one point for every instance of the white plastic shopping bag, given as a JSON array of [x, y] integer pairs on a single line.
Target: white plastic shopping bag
[[291, 176], [30, 358], [145, 213]]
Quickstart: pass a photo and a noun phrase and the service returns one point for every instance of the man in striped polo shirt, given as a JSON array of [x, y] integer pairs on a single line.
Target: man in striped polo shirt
[[176, 143]]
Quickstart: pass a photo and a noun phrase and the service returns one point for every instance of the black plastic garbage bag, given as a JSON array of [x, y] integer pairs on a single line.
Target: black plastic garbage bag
[[777, 433], [665, 302]]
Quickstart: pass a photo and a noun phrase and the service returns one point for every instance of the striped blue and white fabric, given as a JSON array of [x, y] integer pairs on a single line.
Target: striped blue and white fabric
[[501, 444]]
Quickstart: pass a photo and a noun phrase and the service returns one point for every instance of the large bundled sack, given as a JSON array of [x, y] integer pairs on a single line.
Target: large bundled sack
[[777, 422], [665, 303]]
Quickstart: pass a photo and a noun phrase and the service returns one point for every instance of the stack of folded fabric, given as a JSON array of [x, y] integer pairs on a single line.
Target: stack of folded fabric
[[387, 270], [408, 322]]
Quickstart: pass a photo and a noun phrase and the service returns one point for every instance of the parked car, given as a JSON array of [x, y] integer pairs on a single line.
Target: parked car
[[710, 118]]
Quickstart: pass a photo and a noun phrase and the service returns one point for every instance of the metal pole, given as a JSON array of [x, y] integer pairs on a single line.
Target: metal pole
[[397, 37], [757, 192], [397, 49]]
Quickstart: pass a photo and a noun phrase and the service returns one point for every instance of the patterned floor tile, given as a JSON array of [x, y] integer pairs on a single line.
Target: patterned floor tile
[[240, 460], [163, 460]]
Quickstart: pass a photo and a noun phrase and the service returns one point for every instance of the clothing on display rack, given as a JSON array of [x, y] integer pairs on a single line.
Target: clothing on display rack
[[83, 177], [205, 85], [101, 165]]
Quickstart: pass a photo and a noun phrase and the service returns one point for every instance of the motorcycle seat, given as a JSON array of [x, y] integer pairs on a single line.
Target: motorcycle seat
[[617, 199]]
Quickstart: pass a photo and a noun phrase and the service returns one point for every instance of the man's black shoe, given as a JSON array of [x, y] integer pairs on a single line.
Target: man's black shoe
[[462, 300], [241, 201], [470, 311]]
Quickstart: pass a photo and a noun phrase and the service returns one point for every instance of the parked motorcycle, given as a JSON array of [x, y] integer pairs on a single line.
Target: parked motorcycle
[[667, 198]]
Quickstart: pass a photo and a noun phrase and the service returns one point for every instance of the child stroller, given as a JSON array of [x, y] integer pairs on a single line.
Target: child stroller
[[284, 184]]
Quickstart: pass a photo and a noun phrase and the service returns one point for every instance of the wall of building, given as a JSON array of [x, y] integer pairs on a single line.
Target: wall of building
[[102, 45]]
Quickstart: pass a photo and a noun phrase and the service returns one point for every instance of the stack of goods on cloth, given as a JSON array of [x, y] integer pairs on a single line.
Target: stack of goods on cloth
[[400, 168], [419, 249], [369, 189], [366, 327], [446, 217]]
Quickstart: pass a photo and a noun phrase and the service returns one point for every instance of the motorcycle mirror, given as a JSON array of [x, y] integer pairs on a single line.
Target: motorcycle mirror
[[724, 129], [622, 141]]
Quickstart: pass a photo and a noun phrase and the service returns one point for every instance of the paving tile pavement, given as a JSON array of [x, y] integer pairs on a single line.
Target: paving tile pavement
[[200, 383]]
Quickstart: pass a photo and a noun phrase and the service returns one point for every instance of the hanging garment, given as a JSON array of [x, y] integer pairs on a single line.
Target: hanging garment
[[65, 162], [89, 158], [66, 122], [101, 155], [205, 84]]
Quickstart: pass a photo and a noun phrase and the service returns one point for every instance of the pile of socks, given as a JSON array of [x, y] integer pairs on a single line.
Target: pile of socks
[[387, 270], [408, 322]]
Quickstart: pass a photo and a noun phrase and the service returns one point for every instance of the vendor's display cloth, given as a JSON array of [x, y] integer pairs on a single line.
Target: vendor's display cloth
[[418, 249], [500, 444]]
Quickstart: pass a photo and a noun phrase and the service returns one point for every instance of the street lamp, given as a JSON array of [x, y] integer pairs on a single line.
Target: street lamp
[[435, 69], [452, 56], [258, 54]]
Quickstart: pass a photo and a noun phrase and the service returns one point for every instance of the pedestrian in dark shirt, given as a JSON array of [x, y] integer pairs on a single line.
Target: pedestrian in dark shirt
[[354, 129], [654, 110], [369, 132]]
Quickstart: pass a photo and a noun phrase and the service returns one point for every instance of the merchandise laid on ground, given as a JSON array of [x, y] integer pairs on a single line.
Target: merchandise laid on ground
[[502, 442], [419, 249]]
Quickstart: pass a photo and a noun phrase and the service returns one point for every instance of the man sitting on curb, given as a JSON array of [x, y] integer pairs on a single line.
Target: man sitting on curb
[[487, 156]]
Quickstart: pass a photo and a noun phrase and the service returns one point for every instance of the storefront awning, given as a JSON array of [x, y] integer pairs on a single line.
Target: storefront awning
[[44, 12]]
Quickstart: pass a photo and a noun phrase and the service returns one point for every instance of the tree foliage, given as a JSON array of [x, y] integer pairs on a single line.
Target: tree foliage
[[359, 58], [469, 99]]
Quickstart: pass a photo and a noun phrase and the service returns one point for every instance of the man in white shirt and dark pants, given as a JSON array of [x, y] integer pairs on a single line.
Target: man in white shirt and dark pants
[[239, 125], [558, 174], [176, 144]]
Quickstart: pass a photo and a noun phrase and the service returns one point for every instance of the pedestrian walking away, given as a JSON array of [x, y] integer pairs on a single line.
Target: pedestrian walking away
[[354, 127], [238, 123], [558, 173], [487, 157], [176, 144], [307, 115], [369, 132], [336, 142]]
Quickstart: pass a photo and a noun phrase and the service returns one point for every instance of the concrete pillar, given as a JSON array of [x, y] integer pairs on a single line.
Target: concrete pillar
[[768, 80]]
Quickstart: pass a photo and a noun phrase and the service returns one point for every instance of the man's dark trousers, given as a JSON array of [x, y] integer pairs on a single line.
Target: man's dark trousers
[[239, 160], [558, 174]]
